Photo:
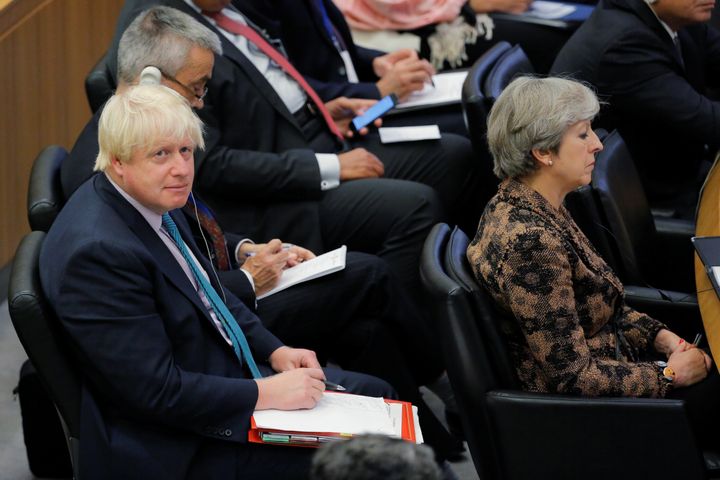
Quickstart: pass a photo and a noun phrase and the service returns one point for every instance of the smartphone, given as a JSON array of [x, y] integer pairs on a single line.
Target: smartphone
[[382, 107]]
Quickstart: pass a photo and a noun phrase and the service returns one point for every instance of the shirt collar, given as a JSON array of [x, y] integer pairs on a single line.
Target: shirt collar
[[673, 34], [229, 11], [151, 217]]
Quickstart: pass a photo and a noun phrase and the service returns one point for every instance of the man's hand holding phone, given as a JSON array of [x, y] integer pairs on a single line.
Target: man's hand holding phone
[[354, 115]]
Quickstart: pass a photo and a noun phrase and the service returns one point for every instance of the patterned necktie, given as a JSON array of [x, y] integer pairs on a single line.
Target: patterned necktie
[[237, 337], [251, 35], [195, 208]]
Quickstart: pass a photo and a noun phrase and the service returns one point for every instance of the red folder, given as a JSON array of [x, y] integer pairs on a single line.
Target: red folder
[[316, 439]]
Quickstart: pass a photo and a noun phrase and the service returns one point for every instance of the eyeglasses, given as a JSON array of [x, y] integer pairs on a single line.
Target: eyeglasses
[[193, 91]]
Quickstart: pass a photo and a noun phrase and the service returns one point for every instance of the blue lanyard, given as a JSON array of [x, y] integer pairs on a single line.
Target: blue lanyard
[[336, 39]]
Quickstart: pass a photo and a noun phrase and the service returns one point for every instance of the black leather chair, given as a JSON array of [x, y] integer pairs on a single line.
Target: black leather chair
[[516, 435], [511, 63], [475, 106], [45, 197], [679, 309], [645, 245], [99, 84], [38, 330], [475, 111]]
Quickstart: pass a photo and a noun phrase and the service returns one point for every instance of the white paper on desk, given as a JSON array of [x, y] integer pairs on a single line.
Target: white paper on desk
[[409, 134], [716, 274], [447, 89], [549, 10], [335, 412], [322, 265]]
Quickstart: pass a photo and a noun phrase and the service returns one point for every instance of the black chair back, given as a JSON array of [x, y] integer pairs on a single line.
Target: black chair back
[[39, 332], [475, 106], [512, 63], [624, 204], [517, 435], [469, 368], [45, 198], [645, 244], [487, 316], [99, 84]]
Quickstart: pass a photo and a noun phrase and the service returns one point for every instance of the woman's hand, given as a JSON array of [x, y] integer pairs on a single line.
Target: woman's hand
[[667, 342], [690, 366]]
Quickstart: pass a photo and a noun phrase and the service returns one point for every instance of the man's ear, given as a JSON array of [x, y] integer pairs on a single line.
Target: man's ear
[[116, 165], [542, 156]]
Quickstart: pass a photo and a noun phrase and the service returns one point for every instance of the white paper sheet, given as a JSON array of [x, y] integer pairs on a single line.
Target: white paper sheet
[[409, 134], [324, 264], [549, 10], [335, 412], [447, 89]]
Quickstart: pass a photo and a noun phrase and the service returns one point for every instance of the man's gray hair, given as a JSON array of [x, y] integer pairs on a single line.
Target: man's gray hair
[[161, 37], [534, 113]]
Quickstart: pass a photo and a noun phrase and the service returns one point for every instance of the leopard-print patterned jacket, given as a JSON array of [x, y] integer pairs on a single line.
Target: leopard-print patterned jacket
[[561, 298]]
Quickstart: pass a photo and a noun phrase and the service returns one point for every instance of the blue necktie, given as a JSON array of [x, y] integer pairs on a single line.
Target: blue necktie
[[237, 337]]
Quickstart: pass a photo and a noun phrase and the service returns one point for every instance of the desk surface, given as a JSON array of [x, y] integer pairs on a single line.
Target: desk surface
[[708, 224]]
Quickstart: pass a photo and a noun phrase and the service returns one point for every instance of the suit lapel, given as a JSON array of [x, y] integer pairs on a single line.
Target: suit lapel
[[236, 56], [155, 246], [318, 21], [693, 63], [645, 13]]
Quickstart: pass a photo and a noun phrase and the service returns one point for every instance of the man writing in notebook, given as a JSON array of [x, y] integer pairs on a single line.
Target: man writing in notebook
[[358, 317], [173, 364]]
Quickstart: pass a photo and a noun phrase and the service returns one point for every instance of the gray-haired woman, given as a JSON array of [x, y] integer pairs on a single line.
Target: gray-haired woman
[[568, 327]]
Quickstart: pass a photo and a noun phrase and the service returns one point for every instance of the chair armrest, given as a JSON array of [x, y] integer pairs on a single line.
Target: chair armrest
[[556, 436], [672, 246], [678, 310], [44, 198]]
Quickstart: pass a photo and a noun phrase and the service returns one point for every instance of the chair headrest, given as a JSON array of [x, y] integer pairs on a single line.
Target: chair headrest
[[512, 63]]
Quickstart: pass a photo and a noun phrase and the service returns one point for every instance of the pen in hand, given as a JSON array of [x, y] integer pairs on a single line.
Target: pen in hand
[[334, 387], [285, 246], [698, 337]]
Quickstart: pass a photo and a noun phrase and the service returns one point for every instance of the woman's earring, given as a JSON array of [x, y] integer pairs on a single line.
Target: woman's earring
[[550, 163]]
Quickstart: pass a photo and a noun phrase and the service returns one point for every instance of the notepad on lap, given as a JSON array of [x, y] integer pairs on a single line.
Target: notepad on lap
[[447, 90], [322, 265], [336, 416]]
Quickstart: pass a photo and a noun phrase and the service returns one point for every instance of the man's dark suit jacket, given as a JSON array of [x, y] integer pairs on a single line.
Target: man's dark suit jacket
[[283, 188], [78, 167], [310, 48], [260, 192], [148, 346], [659, 106]]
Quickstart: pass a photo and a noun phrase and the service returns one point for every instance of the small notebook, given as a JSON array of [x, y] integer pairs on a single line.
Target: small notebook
[[409, 134], [322, 265], [447, 89]]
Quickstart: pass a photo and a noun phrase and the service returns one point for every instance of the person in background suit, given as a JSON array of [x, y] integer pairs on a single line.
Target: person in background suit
[[276, 169], [314, 32], [166, 393], [656, 63], [359, 317], [318, 43]]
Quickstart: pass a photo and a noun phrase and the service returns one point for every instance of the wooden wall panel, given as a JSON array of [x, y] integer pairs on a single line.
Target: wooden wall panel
[[45, 53]]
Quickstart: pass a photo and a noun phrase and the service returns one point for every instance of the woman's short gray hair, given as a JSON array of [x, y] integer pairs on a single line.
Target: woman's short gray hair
[[534, 113], [161, 37], [142, 117]]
